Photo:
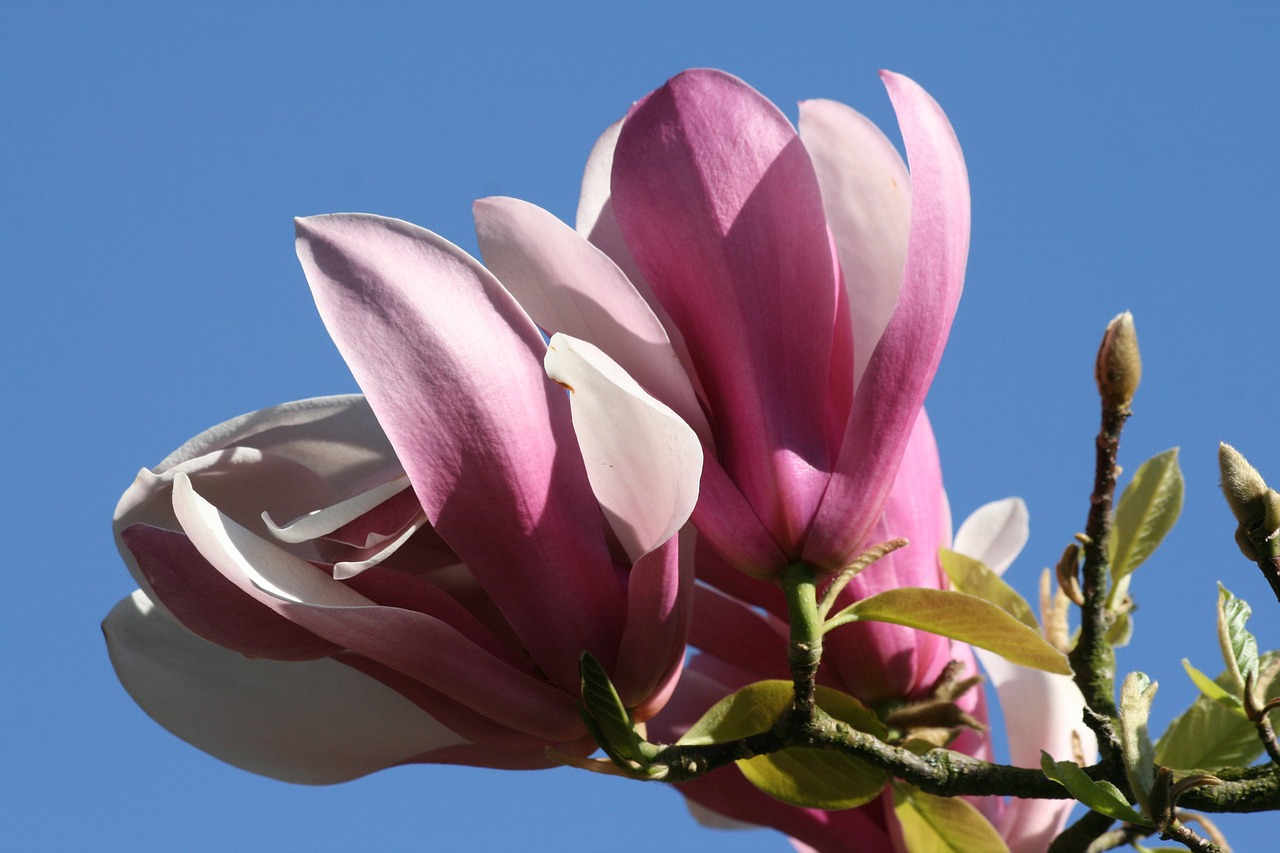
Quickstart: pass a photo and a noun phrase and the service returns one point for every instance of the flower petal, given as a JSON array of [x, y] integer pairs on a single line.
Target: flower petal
[[659, 606], [866, 193], [324, 521], [207, 604], [643, 461], [391, 636], [568, 285], [1042, 711], [900, 370], [452, 366], [995, 533], [317, 722], [718, 201]]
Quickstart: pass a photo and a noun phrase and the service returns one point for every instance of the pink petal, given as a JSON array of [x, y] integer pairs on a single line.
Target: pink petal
[[452, 367], [596, 220], [876, 660], [659, 606], [567, 285], [866, 193], [209, 605], [718, 201], [902, 366], [397, 638], [317, 722]]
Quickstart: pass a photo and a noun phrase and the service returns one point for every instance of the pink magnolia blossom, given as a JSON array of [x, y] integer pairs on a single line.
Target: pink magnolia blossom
[[1042, 710], [339, 585], [789, 295]]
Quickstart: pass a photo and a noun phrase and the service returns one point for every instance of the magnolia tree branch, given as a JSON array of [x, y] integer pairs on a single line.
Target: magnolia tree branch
[[1093, 658]]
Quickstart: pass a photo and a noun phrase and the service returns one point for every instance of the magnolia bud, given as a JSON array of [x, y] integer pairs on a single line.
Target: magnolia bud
[[1119, 365], [1255, 506]]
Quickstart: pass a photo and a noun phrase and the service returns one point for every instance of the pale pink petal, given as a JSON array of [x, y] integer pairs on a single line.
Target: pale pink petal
[[391, 636], [1041, 712], [717, 199], [995, 533], [452, 366], [866, 193], [324, 521], [347, 569], [595, 219], [900, 370], [643, 461], [317, 722], [568, 285]]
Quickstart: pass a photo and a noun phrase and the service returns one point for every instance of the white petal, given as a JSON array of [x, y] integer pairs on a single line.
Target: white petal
[[643, 461], [314, 722], [995, 533], [568, 285], [322, 522], [350, 568]]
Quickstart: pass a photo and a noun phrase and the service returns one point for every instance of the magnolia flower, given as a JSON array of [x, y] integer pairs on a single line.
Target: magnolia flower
[[1042, 711], [339, 585], [788, 295]]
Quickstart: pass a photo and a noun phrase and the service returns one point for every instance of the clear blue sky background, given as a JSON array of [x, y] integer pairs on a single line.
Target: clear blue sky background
[[152, 157]]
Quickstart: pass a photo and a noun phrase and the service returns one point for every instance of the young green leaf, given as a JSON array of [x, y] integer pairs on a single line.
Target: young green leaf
[[1210, 690], [751, 710], [942, 824], [613, 728], [1239, 648], [1207, 736], [961, 617], [1147, 511], [1136, 695], [812, 778], [973, 577], [1102, 797]]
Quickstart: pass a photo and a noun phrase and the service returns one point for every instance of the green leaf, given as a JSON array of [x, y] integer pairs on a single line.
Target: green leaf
[[1207, 736], [975, 578], [1136, 696], [1147, 511], [1239, 648], [1210, 689], [943, 824], [812, 778], [961, 617], [613, 728], [1102, 797], [751, 710], [1121, 631]]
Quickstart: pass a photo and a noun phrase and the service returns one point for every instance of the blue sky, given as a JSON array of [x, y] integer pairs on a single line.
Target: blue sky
[[152, 157]]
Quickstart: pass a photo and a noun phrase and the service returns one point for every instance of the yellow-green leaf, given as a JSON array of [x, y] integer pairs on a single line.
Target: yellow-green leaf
[[1102, 797], [1136, 695], [1210, 689], [813, 778], [1239, 648], [961, 617], [943, 824], [975, 578], [1207, 736], [1147, 511], [751, 710]]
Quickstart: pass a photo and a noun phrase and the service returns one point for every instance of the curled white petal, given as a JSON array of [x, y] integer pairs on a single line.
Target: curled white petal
[[995, 533], [643, 461]]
